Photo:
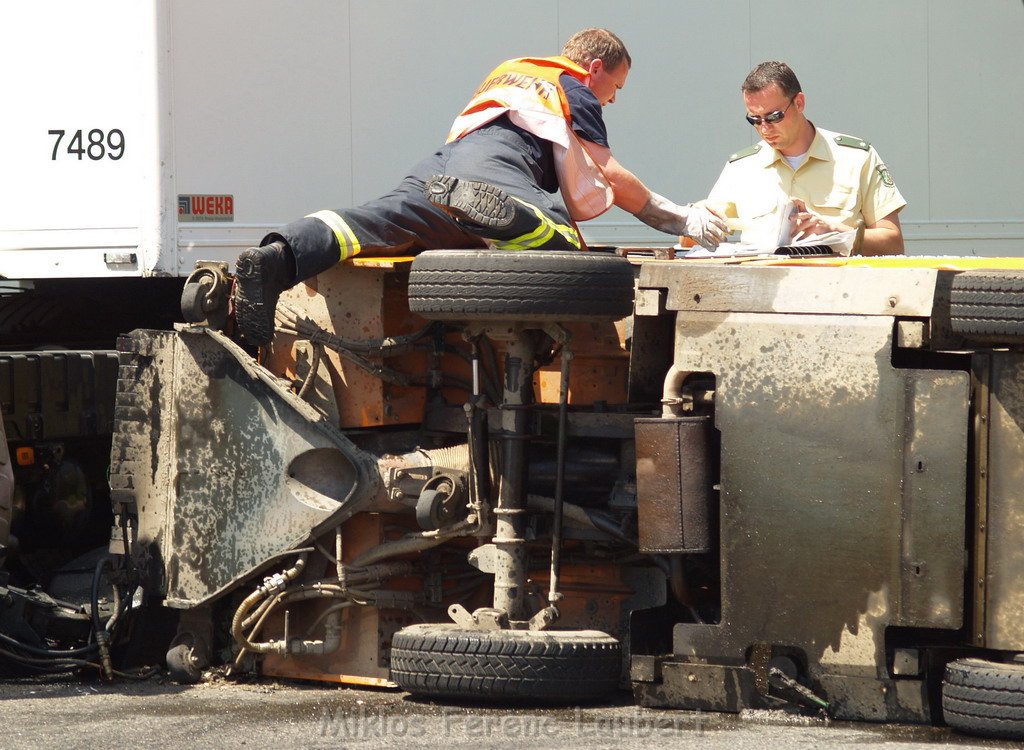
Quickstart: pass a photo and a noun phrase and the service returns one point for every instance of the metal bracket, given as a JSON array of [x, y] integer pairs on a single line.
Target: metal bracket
[[484, 558], [484, 618], [545, 618]]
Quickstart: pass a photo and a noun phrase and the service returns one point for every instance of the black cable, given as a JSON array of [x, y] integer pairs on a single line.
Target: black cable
[[65, 660], [49, 652], [94, 598], [102, 638], [47, 664], [608, 526], [391, 346]]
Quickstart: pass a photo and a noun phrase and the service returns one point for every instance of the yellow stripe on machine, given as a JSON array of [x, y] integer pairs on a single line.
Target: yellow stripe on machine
[[939, 262]]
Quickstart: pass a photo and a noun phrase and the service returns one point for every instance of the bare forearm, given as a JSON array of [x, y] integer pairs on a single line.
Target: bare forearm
[[885, 237], [882, 241], [630, 192]]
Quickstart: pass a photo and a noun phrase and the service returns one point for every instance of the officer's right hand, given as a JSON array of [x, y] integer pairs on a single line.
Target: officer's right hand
[[704, 226], [805, 223]]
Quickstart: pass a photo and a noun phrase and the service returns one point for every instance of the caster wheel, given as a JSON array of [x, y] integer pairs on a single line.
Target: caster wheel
[[186, 662]]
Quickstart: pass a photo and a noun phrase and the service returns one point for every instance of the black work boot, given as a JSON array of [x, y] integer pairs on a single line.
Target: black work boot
[[261, 274], [476, 203]]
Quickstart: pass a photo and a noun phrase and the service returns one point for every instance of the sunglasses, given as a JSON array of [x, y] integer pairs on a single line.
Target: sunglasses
[[772, 117]]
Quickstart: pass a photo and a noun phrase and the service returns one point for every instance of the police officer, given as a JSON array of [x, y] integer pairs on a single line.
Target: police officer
[[834, 180], [526, 158]]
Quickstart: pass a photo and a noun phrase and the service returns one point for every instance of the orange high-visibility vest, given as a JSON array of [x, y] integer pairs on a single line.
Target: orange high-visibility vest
[[527, 89]]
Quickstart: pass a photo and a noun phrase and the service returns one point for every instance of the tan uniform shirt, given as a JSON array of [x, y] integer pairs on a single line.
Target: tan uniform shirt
[[842, 179]]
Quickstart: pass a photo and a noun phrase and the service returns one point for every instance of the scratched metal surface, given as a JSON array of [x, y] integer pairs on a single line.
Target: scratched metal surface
[[236, 470]]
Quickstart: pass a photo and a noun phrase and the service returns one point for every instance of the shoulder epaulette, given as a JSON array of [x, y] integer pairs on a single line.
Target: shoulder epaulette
[[853, 142], [749, 151]]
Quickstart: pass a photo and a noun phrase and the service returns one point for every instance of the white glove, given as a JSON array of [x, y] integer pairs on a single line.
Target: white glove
[[696, 222], [704, 228]]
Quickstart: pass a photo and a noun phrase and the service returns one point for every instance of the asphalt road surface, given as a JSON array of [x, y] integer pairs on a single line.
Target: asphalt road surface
[[50, 713]]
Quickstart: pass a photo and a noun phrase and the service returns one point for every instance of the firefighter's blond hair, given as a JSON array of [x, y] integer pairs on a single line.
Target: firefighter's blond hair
[[588, 45]]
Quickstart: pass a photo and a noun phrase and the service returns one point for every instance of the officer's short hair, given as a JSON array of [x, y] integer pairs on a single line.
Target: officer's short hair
[[767, 73], [588, 45]]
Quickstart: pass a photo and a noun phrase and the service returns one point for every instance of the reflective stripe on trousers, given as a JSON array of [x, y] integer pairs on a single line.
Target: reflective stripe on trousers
[[347, 242], [542, 235]]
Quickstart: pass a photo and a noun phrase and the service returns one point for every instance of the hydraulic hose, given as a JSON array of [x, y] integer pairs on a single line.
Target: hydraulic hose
[[50, 653], [409, 544], [272, 585], [99, 630], [47, 665]]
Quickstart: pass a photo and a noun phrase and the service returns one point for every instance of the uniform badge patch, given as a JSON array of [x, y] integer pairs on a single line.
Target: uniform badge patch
[[883, 174]]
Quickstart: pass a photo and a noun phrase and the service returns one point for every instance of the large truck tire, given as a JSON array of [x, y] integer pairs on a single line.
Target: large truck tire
[[988, 305], [529, 285], [984, 698], [445, 660]]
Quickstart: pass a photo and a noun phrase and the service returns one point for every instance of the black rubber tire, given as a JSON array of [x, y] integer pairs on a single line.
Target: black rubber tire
[[444, 660], [988, 304], [532, 285], [984, 698]]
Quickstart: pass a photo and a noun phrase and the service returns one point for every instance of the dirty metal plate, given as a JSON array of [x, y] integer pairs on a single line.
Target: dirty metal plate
[[815, 423], [701, 687], [231, 470], [1003, 592], [802, 289], [674, 484], [871, 699], [933, 552]]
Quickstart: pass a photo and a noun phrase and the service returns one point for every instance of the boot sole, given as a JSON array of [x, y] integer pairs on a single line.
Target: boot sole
[[470, 200], [253, 322]]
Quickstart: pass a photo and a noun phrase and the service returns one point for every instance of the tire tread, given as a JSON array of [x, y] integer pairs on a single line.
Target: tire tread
[[443, 660], [985, 698], [527, 285], [987, 304]]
